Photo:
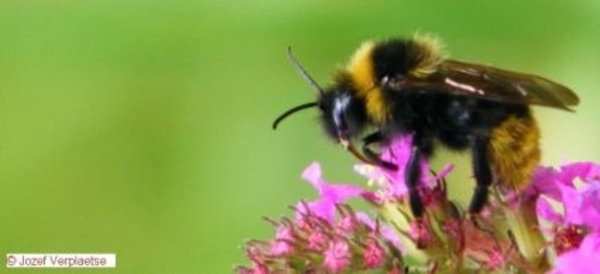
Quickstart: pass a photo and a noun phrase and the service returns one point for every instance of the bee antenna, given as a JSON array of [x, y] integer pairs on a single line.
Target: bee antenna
[[303, 71], [292, 111]]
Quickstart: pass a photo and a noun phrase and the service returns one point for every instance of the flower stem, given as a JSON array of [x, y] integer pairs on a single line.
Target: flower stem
[[523, 223]]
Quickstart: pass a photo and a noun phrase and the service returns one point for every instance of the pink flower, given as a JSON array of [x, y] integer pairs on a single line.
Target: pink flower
[[330, 194], [580, 205], [374, 256], [567, 237], [419, 232], [386, 231], [256, 269], [495, 259], [317, 240], [282, 244], [347, 223], [337, 256], [314, 245], [586, 171], [580, 260], [329, 236], [393, 181], [543, 181], [547, 212]]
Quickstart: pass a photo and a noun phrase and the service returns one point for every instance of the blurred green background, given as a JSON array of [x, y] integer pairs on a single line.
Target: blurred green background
[[142, 128]]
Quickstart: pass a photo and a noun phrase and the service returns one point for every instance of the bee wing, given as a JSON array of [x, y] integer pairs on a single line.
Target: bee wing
[[501, 85]]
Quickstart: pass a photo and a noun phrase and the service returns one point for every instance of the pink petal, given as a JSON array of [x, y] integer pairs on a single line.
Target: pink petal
[[330, 195], [337, 256], [323, 209], [340, 193], [374, 255], [571, 202], [386, 231], [582, 207], [312, 174], [583, 170], [335, 193], [580, 260], [547, 212], [591, 244], [282, 244], [441, 174], [590, 205], [544, 182], [399, 153]]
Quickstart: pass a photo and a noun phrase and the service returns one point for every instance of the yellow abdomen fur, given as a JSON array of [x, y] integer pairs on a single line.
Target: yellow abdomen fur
[[514, 151]]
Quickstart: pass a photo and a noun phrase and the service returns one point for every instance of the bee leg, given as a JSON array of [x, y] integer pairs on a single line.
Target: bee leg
[[482, 173], [413, 173], [375, 137]]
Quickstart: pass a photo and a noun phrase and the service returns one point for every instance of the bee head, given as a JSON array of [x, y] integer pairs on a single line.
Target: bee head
[[342, 114]]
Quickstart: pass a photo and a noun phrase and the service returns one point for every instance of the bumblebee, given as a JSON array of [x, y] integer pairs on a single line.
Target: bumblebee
[[409, 86]]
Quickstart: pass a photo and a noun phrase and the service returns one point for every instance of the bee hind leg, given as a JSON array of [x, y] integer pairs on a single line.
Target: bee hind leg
[[482, 173]]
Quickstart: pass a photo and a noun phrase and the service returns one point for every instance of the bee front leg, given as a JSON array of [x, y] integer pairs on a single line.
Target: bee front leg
[[375, 137], [482, 173]]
